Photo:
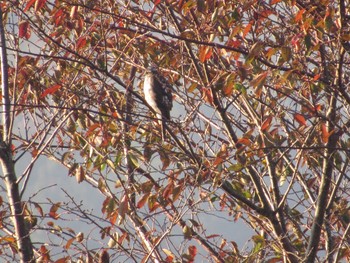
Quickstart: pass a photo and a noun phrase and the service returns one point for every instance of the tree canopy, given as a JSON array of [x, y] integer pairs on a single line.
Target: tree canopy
[[258, 141]]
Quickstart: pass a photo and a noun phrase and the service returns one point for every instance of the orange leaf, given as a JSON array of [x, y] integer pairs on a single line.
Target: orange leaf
[[53, 210], [299, 15], [266, 124], [62, 260], [51, 90], [325, 133], [316, 77], [69, 242], [300, 119], [244, 141], [205, 53], [113, 218], [208, 95], [247, 29]]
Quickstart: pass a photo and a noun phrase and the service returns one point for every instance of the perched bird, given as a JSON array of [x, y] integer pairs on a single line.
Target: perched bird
[[158, 95]]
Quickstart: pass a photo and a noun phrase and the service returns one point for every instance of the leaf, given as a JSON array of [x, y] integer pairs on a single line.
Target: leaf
[[123, 208], [81, 42], [208, 95], [259, 80], [244, 141], [69, 243], [79, 174], [205, 53], [53, 210], [192, 251], [38, 207], [142, 201], [29, 4], [212, 236], [63, 260], [266, 123], [170, 256], [192, 87], [51, 90], [274, 2], [134, 160], [325, 133], [39, 4], [79, 237], [299, 15], [73, 12], [286, 53], [254, 52], [187, 231], [24, 30], [176, 192], [168, 190], [247, 29], [300, 119]]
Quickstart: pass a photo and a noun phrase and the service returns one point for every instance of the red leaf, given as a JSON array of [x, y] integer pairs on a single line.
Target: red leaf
[[212, 236], [274, 2], [81, 42], [24, 30], [29, 4], [192, 250], [44, 254], [266, 124], [51, 90], [300, 119], [58, 17], [142, 201], [168, 190]]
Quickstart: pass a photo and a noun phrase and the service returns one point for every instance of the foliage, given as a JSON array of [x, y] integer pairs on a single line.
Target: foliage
[[259, 131]]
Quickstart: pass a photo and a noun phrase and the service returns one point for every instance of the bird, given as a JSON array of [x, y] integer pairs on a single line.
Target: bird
[[158, 94]]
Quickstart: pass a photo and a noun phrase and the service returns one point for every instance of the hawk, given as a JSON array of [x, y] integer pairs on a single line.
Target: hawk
[[158, 95]]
